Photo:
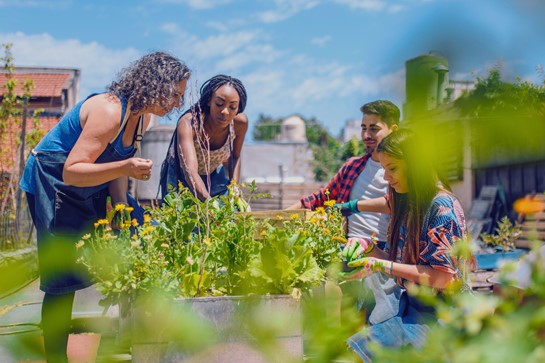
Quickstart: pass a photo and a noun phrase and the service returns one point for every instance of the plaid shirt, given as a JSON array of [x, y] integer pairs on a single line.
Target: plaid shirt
[[339, 187]]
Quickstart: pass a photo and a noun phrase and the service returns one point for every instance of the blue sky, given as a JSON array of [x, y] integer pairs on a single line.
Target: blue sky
[[316, 58]]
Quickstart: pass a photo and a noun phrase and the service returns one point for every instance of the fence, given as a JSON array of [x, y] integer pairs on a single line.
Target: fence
[[281, 195], [16, 230]]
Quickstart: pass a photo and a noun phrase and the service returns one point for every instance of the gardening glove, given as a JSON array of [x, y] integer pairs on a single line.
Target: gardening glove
[[348, 208], [364, 267], [356, 247]]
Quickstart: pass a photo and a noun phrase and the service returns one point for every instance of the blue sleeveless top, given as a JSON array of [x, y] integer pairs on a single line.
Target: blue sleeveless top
[[62, 138]]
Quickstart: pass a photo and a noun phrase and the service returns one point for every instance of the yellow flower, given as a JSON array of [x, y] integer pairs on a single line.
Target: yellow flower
[[263, 233], [147, 218], [320, 210], [279, 217], [327, 231], [329, 203], [180, 185], [129, 209], [294, 216], [207, 241], [147, 230], [339, 239], [96, 225], [119, 207], [102, 222], [327, 192], [134, 222]]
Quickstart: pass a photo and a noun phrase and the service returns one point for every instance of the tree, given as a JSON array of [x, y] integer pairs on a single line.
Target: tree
[[14, 139], [507, 119], [267, 128]]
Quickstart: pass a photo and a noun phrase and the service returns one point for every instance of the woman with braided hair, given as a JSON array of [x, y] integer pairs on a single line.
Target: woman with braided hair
[[208, 140]]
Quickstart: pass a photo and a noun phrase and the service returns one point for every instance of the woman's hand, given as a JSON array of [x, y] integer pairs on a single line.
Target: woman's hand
[[366, 266], [356, 247], [139, 168]]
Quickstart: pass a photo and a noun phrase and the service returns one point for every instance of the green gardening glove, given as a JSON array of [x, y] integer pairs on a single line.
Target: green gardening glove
[[356, 246], [348, 208]]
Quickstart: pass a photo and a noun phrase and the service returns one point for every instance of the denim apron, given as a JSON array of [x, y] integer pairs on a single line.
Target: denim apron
[[65, 213], [172, 173], [409, 326]]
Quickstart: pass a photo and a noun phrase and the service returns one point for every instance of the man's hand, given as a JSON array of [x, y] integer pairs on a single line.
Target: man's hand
[[356, 247], [348, 208]]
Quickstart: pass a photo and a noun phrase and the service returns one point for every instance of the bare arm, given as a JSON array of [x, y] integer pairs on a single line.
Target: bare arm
[[375, 205], [100, 117], [188, 157], [296, 205], [241, 127], [118, 190], [425, 275]]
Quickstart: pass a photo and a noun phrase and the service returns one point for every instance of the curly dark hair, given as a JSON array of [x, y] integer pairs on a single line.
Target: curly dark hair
[[210, 86], [151, 80], [388, 112]]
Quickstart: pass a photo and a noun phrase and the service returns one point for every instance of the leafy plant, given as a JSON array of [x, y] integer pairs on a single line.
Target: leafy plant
[[505, 237], [189, 248]]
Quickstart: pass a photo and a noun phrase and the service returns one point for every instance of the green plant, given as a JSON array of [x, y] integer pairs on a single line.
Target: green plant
[[505, 237], [189, 248]]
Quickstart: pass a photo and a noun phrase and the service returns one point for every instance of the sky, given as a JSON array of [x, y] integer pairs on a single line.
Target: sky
[[315, 58]]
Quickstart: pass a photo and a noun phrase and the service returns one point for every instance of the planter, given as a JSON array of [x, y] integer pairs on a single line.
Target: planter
[[218, 329], [490, 261]]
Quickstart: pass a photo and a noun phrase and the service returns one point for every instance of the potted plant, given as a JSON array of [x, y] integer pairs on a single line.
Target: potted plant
[[499, 246], [191, 251]]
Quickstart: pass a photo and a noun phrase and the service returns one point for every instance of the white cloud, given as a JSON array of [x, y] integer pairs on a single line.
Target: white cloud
[[321, 41], [286, 9], [221, 52], [34, 3], [364, 4], [198, 4], [98, 64]]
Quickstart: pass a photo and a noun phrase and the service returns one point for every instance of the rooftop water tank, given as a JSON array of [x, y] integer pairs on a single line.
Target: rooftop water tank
[[293, 129], [426, 80]]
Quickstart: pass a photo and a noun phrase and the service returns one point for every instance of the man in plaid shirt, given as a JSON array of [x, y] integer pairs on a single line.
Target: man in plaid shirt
[[363, 178]]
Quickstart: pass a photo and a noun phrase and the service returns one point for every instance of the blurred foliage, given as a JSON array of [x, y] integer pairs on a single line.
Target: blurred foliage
[[329, 153], [508, 326], [507, 120]]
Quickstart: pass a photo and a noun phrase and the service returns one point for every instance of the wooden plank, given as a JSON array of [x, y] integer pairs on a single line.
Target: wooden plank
[[525, 243]]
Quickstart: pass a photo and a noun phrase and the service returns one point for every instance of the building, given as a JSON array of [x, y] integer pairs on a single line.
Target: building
[[55, 91], [286, 160]]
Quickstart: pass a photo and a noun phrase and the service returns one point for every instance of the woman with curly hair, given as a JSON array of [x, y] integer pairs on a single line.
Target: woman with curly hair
[[209, 137], [86, 156]]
